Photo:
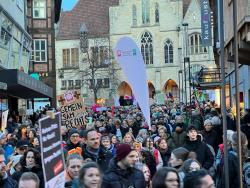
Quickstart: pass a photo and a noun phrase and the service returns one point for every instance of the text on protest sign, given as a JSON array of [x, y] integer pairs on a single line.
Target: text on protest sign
[[52, 152], [72, 109]]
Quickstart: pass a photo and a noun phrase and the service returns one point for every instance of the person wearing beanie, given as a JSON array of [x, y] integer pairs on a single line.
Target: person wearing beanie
[[73, 144], [122, 172], [210, 135]]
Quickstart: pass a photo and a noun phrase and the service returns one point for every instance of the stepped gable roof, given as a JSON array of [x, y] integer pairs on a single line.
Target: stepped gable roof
[[94, 13]]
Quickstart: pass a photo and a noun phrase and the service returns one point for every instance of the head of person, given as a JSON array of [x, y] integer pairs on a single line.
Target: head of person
[[198, 179], [113, 139], [90, 175], [31, 158], [128, 138], [191, 165], [148, 142], [126, 157], [145, 170], [93, 139], [192, 133], [21, 147], [143, 133], [29, 180], [178, 156], [162, 144], [83, 136], [208, 126], [130, 121], [162, 131], [73, 165], [166, 177], [32, 134], [22, 131], [74, 136], [244, 143], [105, 141], [2, 164]]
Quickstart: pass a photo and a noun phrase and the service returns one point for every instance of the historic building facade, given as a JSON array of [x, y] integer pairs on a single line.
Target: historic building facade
[[41, 18], [162, 30], [92, 72]]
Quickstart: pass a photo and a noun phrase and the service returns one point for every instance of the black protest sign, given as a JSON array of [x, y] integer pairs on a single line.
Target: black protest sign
[[51, 151]]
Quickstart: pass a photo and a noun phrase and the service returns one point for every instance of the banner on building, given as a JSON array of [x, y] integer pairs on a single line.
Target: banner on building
[[131, 61], [206, 37], [72, 109], [4, 120], [51, 151]]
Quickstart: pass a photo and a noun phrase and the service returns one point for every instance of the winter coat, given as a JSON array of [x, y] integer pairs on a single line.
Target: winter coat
[[204, 154], [103, 157], [211, 138], [232, 170], [116, 177], [8, 183], [170, 142], [36, 169], [71, 148], [165, 155], [179, 138]]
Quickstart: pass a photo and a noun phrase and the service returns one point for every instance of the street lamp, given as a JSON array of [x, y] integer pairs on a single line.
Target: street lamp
[[84, 44]]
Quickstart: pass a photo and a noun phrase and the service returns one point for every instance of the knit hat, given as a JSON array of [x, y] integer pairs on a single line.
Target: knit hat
[[73, 131], [208, 121], [122, 150]]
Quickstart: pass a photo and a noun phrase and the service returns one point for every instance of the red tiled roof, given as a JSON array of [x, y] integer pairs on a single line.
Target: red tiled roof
[[94, 13]]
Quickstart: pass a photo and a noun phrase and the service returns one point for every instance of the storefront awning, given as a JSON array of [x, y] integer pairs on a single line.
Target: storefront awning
[[22, 85]]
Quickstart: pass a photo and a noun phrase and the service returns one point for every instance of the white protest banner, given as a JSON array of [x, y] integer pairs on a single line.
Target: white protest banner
[[4, 120], [72, 109], [131, 61], [52, 152]]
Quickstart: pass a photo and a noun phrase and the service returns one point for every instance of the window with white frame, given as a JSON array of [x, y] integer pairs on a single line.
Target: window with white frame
[[39, 8], [195, 44], [78, 84], [70, 84], [169, 51], [70, 58], [64, 84], [134, 15], [99, 56], [147, 48], [39, 52], [145, 12]]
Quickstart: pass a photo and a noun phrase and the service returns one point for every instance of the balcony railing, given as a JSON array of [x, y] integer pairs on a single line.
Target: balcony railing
[[209, 78]]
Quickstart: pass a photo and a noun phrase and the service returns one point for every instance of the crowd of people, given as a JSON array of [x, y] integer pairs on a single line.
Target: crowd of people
[[116, 148]]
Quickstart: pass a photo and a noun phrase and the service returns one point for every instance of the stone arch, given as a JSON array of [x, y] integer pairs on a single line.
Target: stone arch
[[151, 89], [171, 87], [124, 89]]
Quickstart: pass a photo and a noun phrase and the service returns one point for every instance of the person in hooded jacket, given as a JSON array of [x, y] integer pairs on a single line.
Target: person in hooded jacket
[[194, 143], [73, 144], [122, 172]]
